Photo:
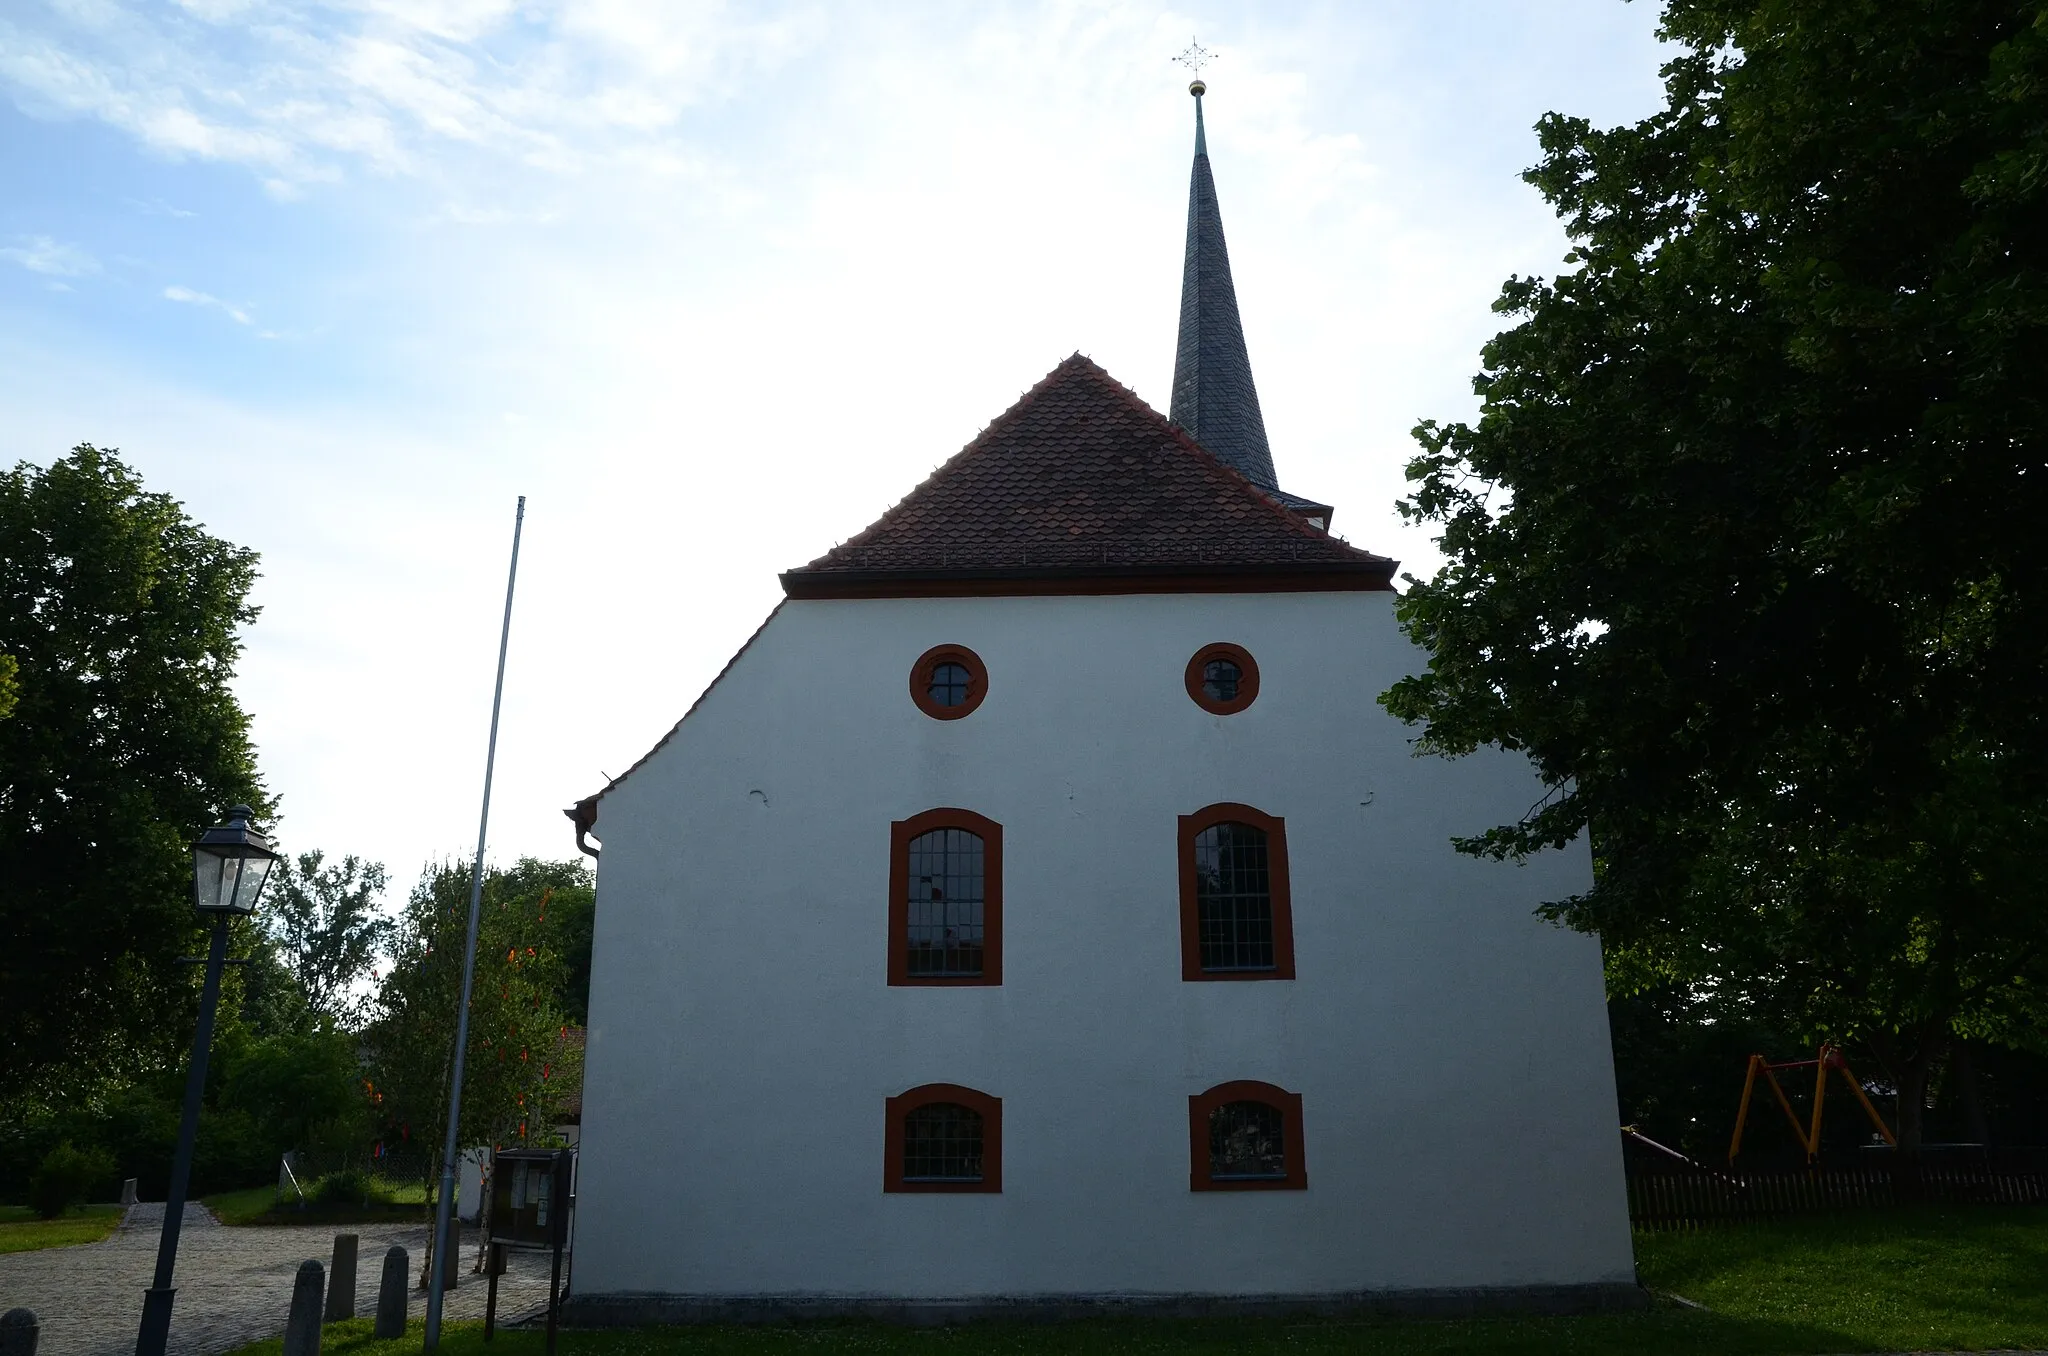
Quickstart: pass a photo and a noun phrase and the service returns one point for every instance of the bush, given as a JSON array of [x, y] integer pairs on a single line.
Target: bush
[[67, 1174], [350, 1186]]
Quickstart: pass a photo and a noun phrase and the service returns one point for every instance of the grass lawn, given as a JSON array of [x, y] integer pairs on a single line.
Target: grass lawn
[[21, 1231], [247, 1206], [1890, 1280], [259, 1205], [1908, 1280]]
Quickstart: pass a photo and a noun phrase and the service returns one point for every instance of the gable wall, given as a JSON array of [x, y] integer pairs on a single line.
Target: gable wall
[[1451, 1049]]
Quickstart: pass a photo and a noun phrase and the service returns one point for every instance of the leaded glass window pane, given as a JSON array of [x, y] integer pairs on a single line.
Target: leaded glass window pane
[[947, 893], [1220, 678], [942, 1143], [948, 685], [1245, 1143], [1233, 898]]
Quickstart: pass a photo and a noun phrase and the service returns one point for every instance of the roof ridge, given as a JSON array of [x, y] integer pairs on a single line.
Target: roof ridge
[[1080, 470], [1238, 478], [951, 464]]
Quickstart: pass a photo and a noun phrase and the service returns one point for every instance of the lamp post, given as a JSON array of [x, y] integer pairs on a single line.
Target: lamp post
[[230, 863]]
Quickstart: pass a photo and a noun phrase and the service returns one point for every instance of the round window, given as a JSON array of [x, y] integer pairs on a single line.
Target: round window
[[948, 681], [1223, 679]]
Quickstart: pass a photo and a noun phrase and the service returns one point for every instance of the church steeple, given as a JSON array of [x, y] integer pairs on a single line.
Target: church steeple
[[1213, 395]]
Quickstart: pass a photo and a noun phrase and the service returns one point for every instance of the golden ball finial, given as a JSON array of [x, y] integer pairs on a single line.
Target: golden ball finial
[[1197, 88]]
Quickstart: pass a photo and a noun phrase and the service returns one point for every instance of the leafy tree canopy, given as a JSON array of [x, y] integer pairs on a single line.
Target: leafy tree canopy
[[323, 920], [123, 616], [523, 1064], [1745, 547]]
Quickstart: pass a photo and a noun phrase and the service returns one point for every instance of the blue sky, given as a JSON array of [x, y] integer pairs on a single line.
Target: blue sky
[[712, 285]]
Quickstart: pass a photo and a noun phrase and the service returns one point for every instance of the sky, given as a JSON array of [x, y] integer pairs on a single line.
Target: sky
[[712, 285]]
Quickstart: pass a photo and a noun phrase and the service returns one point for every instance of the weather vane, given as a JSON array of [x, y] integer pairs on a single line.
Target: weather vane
[[1195, 58]]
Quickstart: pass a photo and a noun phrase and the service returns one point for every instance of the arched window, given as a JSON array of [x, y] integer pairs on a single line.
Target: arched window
[[1236, 918], [946, 899], [1245, 1136], [943, 1137]]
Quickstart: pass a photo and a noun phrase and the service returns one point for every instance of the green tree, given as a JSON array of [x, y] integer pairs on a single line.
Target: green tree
[[301, 1089], [574, 906], [124, 618], [10, 686], [323, 920], [520, 1067], [1744, 549]]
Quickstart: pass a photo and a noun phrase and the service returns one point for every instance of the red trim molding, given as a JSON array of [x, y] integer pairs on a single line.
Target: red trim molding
[[1229, 812], [901, 833], [921, 680], [1247, 682], [1288, 1104], [989, 1108]]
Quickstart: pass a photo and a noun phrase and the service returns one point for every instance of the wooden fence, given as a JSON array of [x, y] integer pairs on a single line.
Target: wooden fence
[[1689, 1199]]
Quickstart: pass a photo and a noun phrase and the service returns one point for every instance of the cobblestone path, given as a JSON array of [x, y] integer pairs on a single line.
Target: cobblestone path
[[234, 1285]]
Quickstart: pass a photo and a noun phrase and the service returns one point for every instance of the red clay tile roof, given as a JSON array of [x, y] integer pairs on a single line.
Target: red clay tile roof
[[1078, 480]]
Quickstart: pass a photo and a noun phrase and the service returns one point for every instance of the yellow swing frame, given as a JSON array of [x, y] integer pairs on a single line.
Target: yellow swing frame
[[1829, 1057]]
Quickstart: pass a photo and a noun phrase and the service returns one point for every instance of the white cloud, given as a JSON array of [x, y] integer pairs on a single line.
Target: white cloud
[[192, 298], [157, 207], [301, 92], [714, 285], [54, 258]]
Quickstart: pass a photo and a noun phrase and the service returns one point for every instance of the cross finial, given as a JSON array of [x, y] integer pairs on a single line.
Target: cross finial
[[1194, 59]]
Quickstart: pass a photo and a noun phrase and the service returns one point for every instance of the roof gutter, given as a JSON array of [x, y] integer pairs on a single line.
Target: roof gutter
[[583, 814]]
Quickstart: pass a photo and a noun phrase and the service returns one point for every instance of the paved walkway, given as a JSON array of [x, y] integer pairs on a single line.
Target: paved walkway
[[234, 1285]]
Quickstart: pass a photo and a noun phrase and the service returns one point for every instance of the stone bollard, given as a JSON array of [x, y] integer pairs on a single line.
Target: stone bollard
[[302, 1327], [391, 1295], [341, 1279], [18, 1329], [128, 1192]]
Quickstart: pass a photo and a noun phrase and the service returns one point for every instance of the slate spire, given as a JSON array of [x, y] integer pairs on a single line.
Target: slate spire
[[1213, 395]]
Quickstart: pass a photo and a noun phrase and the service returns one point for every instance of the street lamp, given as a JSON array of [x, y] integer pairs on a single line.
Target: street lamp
[[230, 863]]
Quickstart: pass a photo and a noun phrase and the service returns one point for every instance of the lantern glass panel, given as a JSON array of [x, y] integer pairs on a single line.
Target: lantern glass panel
[[228, 882]]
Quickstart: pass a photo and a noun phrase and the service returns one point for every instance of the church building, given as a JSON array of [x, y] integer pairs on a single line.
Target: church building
[[1040, 914]]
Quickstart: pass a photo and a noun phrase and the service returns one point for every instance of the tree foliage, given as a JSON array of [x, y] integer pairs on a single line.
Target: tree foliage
[[574, 907], [1744, 549], [522, 1065], [123, 617], [323, 919]]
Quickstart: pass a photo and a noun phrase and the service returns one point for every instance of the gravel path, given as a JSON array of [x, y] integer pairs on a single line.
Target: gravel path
[[234, 1285]]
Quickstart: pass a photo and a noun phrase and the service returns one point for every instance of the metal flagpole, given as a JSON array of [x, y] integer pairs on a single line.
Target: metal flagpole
[[445, 1209]]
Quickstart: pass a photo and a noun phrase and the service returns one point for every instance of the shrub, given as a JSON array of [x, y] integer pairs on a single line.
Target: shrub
[[65, 1177], [349, 1186]]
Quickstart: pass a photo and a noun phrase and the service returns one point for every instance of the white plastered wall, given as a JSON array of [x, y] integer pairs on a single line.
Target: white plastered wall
[[1450, 1048]]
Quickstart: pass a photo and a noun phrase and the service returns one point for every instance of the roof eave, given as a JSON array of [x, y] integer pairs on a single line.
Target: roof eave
[[1374, 574]]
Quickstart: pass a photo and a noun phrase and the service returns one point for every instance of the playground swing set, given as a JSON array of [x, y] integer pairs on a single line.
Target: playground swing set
[[1828, 1057]]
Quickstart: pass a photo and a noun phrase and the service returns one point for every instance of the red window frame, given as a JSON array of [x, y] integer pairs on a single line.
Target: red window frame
[[989, 1108], [921, 681], [1247, 678], [1275, 828], [901, 834], [1288, 1104]]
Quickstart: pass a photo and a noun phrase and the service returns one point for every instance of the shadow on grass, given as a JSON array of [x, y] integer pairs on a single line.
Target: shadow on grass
[[1900, 1280], [1665, 1329], [260, 1206]]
